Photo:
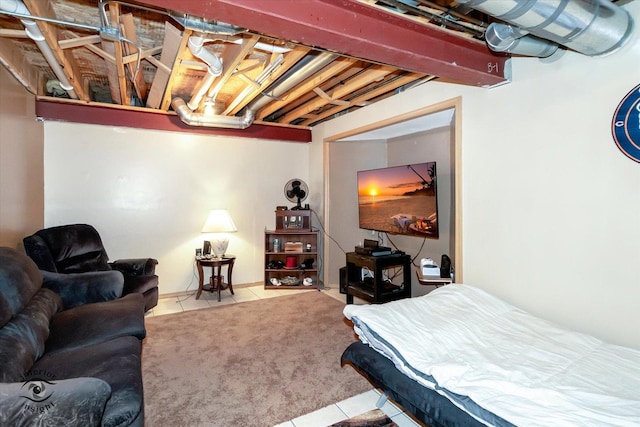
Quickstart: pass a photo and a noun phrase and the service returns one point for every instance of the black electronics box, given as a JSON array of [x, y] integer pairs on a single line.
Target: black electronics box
[[373, 251]]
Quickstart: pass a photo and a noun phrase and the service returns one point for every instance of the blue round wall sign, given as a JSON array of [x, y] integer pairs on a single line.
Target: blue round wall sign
[[625, 126]]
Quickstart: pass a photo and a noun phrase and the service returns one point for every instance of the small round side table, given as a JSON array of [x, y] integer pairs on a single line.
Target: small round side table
[[216, 281]]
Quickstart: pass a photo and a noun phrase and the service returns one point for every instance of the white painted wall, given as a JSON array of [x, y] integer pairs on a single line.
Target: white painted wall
[[432, 146], [149, 192], [21, 162], [344, 160], [550, 205]]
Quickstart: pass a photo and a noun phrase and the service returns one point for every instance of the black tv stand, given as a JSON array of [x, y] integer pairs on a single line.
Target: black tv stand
[[378, 289]]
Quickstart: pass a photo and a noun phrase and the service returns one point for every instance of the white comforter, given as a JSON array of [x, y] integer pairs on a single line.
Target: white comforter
[[526, 370]]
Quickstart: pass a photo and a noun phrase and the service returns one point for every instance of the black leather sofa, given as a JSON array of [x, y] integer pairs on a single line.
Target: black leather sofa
[[78, 249], [68, 359]]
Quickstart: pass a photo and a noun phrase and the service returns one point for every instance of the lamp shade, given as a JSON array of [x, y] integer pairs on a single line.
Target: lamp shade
[[219, 221]]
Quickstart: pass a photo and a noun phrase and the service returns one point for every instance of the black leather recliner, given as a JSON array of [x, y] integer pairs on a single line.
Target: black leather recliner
[[78, 249]]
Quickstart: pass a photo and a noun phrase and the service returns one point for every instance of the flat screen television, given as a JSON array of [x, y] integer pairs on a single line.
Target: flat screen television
[[399, 200]]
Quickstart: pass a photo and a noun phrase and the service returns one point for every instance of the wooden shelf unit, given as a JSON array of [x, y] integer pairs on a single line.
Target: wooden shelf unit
[[271, 256]]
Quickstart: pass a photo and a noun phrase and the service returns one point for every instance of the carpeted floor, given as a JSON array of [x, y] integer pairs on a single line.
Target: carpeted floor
[[256, 363]]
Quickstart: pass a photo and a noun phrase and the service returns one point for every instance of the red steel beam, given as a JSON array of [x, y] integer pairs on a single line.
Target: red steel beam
[[110, 116], [357, 29]]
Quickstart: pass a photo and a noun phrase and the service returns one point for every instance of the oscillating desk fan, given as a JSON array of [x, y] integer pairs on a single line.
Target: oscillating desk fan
[[296, 190]]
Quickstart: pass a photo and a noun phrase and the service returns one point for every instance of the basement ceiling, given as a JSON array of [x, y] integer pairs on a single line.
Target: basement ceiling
[[235, 63], [292, 69]]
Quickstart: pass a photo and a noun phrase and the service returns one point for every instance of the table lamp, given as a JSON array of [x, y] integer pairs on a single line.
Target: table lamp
[[219, 222]]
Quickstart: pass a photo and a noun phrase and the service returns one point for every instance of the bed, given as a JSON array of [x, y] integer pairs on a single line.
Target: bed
[[461, 357]]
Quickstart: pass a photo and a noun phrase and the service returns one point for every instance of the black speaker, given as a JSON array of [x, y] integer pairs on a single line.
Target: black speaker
[[445, 267], [343, 280]]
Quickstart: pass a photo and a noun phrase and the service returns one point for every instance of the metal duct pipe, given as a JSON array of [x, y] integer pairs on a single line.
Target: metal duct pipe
[[591, 27], [269, 69], [200, 119], [32, 30], [505, 38], [287, 81], [292, 78]]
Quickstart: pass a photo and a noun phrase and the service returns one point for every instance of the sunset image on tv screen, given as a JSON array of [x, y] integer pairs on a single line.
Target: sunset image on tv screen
[[399, 200]]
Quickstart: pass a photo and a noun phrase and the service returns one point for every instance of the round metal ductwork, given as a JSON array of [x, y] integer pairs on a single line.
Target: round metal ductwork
[[591, 27], [506, 38]]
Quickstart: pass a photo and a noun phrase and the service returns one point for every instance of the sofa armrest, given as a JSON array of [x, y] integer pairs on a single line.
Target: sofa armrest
[[135, 266], [70, 402], [84, 288]]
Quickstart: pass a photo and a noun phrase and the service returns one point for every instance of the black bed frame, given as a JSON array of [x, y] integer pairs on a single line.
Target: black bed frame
[[425, 404]]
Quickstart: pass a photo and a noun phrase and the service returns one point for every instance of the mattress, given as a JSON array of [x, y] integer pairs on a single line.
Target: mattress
[[500, 364]]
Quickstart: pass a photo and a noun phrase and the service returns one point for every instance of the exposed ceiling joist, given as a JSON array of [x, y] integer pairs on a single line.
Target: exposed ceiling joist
[[358, 30], [134, 68], [181, 51], [310, 84], [362, 99], [117, 76], [17, 64], [289, 60], [171, 44]]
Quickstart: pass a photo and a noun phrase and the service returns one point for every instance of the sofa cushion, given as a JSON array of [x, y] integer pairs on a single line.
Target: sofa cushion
[[39, 402], [118, 363], [20, 279], [95, 323], [22, 339], [84, 288]]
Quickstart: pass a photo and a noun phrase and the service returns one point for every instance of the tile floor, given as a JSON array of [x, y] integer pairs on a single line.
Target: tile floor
[[322, 417]]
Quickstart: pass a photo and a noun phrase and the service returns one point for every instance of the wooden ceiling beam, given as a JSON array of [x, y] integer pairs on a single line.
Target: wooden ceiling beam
[[362, 99], [323, 75], [181, 51], [135, 68], [326, 86], [369, 75], [117, 76], [89, 42], [77, 41], [359, 30], [232, 57], [50, 32], [17, 64], [170, 45], [90, 46], [290, 59], [13, 34]]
